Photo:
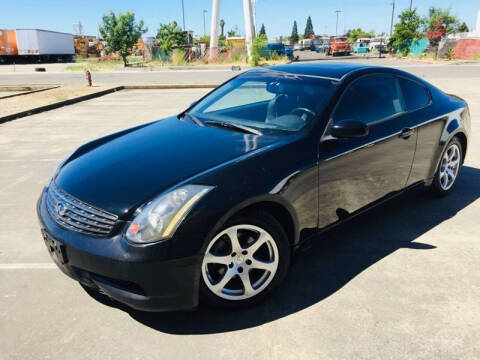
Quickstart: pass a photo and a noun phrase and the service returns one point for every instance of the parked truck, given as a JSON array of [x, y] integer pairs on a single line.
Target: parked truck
[[339, 46], [35, 45]]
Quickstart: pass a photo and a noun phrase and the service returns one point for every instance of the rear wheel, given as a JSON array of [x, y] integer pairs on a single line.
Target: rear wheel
[[448, 169], [244, 261]]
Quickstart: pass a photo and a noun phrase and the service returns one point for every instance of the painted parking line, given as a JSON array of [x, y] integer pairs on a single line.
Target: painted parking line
[[28, 266]]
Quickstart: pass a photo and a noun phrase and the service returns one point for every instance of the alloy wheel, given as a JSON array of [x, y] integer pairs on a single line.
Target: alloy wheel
[[240, 262], [449, 167]]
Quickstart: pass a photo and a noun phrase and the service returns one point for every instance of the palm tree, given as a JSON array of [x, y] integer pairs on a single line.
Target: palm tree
[[222, 25]]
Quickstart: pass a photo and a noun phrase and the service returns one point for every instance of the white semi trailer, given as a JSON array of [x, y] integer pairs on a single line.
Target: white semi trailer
[[44, 45]]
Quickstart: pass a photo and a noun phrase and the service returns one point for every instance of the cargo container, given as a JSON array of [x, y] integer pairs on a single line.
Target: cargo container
[[44, 43], [8, 42], [35, 45]]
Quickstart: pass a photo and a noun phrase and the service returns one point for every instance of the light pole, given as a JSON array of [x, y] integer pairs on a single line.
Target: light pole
[[336, 25], [204, 28], [393, 13], [249, 30], [183, 16]]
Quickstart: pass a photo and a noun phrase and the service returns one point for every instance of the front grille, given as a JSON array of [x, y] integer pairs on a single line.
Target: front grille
[[76, 215]]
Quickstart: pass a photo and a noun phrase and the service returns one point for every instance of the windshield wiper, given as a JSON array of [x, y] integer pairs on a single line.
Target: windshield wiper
[[229, 125], [193, 118]]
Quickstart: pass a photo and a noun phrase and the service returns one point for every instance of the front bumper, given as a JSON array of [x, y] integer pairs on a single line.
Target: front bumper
[[140, 276]]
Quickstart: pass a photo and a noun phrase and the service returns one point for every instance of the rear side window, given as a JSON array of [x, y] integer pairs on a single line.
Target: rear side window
[[369, 99], [416, 96]]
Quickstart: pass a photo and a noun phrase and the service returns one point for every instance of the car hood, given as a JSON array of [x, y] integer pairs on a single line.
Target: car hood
[[122, 171]]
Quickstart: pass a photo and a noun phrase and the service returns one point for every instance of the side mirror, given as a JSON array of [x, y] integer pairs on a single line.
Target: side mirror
[[349, 129]]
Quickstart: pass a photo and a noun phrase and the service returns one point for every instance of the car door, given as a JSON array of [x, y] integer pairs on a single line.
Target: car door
[[429, 126], [354, 172]]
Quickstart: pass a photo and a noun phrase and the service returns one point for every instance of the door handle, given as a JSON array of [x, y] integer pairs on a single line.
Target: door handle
[[406, 133]]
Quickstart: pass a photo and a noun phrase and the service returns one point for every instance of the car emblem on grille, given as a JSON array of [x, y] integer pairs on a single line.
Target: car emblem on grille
[[61, 209]]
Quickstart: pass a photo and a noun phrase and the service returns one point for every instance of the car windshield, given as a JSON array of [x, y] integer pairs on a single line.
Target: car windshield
[[267, 101]]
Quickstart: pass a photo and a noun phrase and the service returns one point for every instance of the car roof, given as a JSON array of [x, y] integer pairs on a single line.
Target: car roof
[[335, 70]]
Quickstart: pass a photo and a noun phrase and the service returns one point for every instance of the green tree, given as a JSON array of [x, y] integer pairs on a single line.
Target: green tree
[[354, 34], [262, 30], [222, 27], [205, 39], [308, 29], [463, 27], [233, 32], [294, 37], [406, 31], [170, 36], [438, 23], [121, 32], [436, 15]]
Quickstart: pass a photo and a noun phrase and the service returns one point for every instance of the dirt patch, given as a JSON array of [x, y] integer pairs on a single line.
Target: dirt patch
[[26, 102]]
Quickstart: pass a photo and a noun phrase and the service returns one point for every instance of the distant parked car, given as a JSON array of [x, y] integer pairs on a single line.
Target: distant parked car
[[378, 44], [298, 47], [339, 46], [273, 48], [289, 52], [323, 48], [361, 46]]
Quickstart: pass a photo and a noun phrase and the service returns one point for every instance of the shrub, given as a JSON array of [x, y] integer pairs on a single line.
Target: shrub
[[178, 57], [170, 36], [259, 43], [450, 54]]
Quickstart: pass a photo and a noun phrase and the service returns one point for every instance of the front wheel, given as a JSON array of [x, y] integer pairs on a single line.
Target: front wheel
[[244, 261], [448, 169]]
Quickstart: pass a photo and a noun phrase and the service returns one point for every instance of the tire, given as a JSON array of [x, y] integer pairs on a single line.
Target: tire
[[240, 263], [448, 169]]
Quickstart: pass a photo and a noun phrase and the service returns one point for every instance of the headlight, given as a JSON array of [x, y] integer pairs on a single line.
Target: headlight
[[160, 218]]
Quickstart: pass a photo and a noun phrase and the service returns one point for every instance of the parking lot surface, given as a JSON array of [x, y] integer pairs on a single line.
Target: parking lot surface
[[400, 282]]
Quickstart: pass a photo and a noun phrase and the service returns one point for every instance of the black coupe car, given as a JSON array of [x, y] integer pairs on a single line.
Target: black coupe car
[[211, 204]]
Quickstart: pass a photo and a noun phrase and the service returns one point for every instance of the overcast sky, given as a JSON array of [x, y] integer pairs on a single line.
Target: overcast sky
[[277, 15]]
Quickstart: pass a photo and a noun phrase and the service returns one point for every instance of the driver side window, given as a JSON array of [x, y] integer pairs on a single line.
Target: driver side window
[[370, 99]]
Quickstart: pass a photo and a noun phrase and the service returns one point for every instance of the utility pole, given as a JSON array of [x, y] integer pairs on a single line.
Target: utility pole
[[214, 29], [254, 14], [204, 28], [183, 16], [393, 13], [411, 1], [336, 25]]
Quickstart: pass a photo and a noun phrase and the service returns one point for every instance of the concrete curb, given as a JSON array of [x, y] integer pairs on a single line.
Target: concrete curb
[[56, 105]]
